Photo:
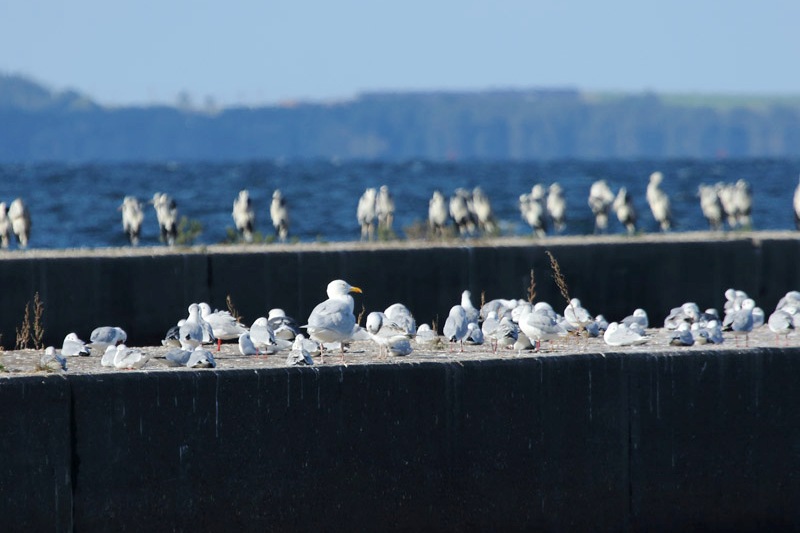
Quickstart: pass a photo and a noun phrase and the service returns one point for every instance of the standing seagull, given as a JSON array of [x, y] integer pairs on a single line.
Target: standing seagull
[[384, 209], [20, 222], [532, 209], [243, 215], [711, 206], [659, 201], [132, 217], [455, 327], [5, 225], [600, 200], [279, 212], [365, 213], [333, 319], [483, 211], [626, 213], [557, 207], [437, 214], [167, 216]]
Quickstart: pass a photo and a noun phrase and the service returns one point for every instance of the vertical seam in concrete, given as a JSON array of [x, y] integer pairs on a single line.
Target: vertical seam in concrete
[[73, 454], [629, 394]]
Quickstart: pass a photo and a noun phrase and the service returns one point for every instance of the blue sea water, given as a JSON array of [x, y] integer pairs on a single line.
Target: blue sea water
[[76, 205]]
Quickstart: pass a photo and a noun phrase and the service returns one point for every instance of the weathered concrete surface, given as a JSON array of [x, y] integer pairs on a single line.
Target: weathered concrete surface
[[147, 290], [584, 442]]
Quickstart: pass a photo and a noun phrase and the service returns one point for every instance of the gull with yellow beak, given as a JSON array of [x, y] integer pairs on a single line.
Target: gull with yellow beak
[[333, 319]]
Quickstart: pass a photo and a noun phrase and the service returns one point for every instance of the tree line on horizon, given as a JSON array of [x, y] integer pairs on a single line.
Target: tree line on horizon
[[37, 124]]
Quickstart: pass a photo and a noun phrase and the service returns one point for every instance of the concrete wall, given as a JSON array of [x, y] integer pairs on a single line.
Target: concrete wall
[[589, 442], [148, 294]]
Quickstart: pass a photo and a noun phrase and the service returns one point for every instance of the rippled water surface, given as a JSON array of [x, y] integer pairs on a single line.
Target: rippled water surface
[[76, 205]]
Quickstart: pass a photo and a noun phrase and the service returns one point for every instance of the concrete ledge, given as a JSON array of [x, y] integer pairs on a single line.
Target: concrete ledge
[[147, 293], [586, 442]]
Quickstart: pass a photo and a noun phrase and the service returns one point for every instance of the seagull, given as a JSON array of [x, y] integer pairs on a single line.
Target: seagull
[[659, 201], [244, 217], [474, 334], [601, 198], [540, 326], [108, 356], [639, 316], [263, 338], [279, 213], [400, 315], [20, 221], [781, 322], [384, 209], [619, 335], [483, 211], [455, 327], [52, 360], [5, 226], [726, 194], [532, 209], [299, 355], [333, 319], [132, 218], [201, 358], [177, 357], [224, 326], [191, 332], [365, 213], [167, 216], [682, 336], [557, 207], [576, 315], [471, 311], [72, 345], [743, 203], [105, 336], [626, 212], [173, 336], [740, 321], [425, 336], [129, 358], [437, 214], [711, 206], [460, 212], [284, 327], [246, 346]]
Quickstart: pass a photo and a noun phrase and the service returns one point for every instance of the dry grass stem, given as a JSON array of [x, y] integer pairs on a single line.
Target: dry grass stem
[[24, 331], [558, 276], [232, 309], [532, 289], [361, 314], [38, 327]]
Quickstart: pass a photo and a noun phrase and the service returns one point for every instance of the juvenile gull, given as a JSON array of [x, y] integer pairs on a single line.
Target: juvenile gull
[[332, 320]]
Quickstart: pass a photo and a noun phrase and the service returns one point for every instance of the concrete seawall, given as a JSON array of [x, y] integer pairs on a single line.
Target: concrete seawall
[[147, 290], [587, 442]]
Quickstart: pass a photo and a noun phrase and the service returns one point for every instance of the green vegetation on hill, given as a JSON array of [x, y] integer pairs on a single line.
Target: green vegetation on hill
[[38, 124]]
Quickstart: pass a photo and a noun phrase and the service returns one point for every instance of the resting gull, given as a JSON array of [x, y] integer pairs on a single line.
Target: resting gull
[[284, 327], [129, 358], [201, 358], [781, 322], [619, 335], [73, 345], [52, 360], [190, 334], [105, 336], [299, 354]]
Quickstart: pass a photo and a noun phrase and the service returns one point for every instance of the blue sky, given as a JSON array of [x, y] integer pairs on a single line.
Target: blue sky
[[253, 52]]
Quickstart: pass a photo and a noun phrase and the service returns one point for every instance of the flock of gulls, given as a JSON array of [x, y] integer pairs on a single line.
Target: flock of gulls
[[509, 326], [544, 209]]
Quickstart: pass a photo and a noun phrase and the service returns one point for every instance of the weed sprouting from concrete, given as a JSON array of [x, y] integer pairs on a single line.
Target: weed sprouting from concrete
[[532, 288], [38, 327], [232, 309], [361, 314], [28, 331]]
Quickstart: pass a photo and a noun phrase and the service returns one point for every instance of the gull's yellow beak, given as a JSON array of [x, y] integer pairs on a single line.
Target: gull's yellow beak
[[355, 289]]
